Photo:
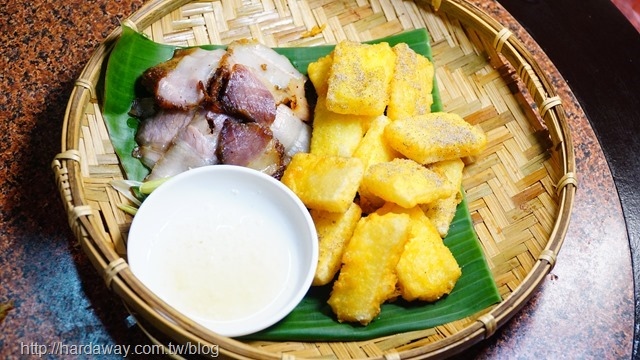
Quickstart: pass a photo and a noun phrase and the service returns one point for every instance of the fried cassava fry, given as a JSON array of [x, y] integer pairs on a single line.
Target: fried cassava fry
[[368, 276]]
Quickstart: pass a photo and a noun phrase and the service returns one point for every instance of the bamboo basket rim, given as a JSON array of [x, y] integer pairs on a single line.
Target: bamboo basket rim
[[84, 220]]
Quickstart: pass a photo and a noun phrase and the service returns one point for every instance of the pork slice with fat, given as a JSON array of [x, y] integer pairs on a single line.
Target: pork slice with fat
[[282, 79], [237, 91], [181, 82], [155, 134], [293, 133], [251, 145], [193, 147]]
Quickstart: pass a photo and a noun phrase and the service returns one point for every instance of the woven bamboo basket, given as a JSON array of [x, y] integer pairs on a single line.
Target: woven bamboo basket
[[520, 191]]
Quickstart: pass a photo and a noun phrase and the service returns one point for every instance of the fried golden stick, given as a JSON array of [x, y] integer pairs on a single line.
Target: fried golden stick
[[427, 269], [326, 183], [406, 183], [359, 78], [368, 277], [435, 137], [334, 233], [442, 211], [411, 85], [335, 134]]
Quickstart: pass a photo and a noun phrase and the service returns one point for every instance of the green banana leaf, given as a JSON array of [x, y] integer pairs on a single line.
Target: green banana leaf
[[312, 319]]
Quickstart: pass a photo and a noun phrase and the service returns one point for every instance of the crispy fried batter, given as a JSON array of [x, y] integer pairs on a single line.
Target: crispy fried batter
[[326, 183], [360, 77], [319, 74], [435, 137], [335, 134], [406, 183], [373, 107], [426, 270], [442, 211], [373, 149], [367, 277], [412, 84], [334, 233]]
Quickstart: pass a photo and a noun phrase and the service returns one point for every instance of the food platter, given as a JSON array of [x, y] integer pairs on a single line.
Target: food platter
[[519, 192]]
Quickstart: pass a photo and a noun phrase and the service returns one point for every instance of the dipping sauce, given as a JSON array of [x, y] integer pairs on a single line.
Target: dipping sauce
[[222, 263], [229, 247]]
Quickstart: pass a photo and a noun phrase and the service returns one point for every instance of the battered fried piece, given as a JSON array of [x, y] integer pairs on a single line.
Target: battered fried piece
[[368, 278], [319, 74], [411, 85], [360, 77], [373, 149], [427, 269], [326, 183], [334, 232], [406, 183], [442, 211], [435, 137], [335, 134]]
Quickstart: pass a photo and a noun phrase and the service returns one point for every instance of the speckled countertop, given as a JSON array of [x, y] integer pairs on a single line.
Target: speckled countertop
[[585, 308]]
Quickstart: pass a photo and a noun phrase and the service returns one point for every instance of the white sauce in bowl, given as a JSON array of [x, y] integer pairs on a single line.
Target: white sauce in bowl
[[229, 254], [233, 256]]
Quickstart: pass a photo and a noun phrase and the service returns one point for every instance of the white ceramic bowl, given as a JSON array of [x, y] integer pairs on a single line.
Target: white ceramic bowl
[[231, 248]]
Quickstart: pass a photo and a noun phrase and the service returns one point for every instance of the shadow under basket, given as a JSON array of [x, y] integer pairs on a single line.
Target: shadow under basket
[[520, 191]]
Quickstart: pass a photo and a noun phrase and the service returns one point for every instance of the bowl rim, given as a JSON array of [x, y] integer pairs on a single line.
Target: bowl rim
[[304, 255]]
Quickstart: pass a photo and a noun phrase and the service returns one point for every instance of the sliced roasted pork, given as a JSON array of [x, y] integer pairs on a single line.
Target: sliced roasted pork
[[245, 106], [155, 134], [181, 82], [284, 81], [237, 91], [216, 121], [293, 133], [194, 146], [251, 145]]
